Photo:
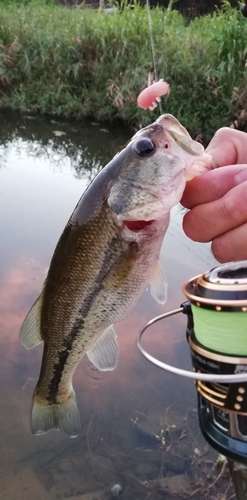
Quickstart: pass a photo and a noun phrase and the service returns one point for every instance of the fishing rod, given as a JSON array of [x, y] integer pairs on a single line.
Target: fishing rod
[[216, 332], [244, 8], [150, 26]]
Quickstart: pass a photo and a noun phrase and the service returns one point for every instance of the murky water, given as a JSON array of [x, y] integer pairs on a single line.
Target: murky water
[[139, 424]]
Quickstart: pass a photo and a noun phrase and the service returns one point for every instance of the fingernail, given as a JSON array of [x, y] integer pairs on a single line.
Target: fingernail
[[241, 176]]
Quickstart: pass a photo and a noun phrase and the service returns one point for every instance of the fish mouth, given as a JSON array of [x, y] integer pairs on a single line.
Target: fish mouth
[[137, 225]]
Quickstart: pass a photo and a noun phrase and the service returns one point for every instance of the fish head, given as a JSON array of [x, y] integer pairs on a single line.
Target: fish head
[[159, 160]]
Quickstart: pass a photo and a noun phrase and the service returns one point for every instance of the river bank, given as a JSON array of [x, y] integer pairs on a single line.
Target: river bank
[[81, 62]]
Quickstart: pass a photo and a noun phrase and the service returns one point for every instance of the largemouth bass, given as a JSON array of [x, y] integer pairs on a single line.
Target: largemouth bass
[[105, 258]]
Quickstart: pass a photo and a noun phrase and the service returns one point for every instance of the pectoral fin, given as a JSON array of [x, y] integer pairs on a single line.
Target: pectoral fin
[[104, 353], [30, 334], [159, 285]]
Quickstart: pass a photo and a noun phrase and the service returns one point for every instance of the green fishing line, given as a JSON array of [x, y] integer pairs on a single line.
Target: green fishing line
[[221, 331]]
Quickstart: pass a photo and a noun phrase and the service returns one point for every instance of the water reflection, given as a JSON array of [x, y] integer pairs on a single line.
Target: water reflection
[[139, 424], [83, 146]]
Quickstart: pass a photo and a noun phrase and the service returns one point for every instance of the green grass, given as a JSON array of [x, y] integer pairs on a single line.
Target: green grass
[[78, 62]]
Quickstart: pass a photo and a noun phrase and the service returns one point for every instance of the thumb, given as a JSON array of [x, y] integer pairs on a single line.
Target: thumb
[[228, 147]]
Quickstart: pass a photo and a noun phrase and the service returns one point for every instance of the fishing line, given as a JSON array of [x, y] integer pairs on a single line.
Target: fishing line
[[206, 377], [221, 331], [152, 46]]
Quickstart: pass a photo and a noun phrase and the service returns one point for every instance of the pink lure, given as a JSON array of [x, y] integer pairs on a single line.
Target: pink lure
[[150, 96]]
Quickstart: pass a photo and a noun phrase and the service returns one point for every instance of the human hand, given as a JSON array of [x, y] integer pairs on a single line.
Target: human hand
[[218, 199]]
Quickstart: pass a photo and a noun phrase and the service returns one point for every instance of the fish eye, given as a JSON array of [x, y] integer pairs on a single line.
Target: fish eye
[[144, 147]]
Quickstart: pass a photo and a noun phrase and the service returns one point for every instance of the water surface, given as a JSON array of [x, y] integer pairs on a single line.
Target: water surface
[[139, 424]]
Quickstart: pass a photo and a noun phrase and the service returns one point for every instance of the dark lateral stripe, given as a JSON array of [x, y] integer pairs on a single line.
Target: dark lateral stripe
[[83, 312]]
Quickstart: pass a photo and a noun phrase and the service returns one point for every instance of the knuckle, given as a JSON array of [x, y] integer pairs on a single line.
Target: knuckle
[[232, 208], [225, 133], [220, 249], [190, 225]]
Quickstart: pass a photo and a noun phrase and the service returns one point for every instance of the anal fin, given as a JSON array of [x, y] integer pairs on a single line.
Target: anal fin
[[30, 334]]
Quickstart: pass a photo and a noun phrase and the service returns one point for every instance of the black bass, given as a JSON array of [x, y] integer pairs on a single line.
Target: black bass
[[105, 258]]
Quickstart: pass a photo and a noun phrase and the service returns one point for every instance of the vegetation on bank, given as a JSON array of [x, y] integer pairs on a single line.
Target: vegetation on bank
[[80, 61]]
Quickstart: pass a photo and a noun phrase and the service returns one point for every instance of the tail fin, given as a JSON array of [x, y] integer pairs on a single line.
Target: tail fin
[[63, 416]]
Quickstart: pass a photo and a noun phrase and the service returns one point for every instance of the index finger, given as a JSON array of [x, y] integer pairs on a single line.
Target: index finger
[[213, 185]]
